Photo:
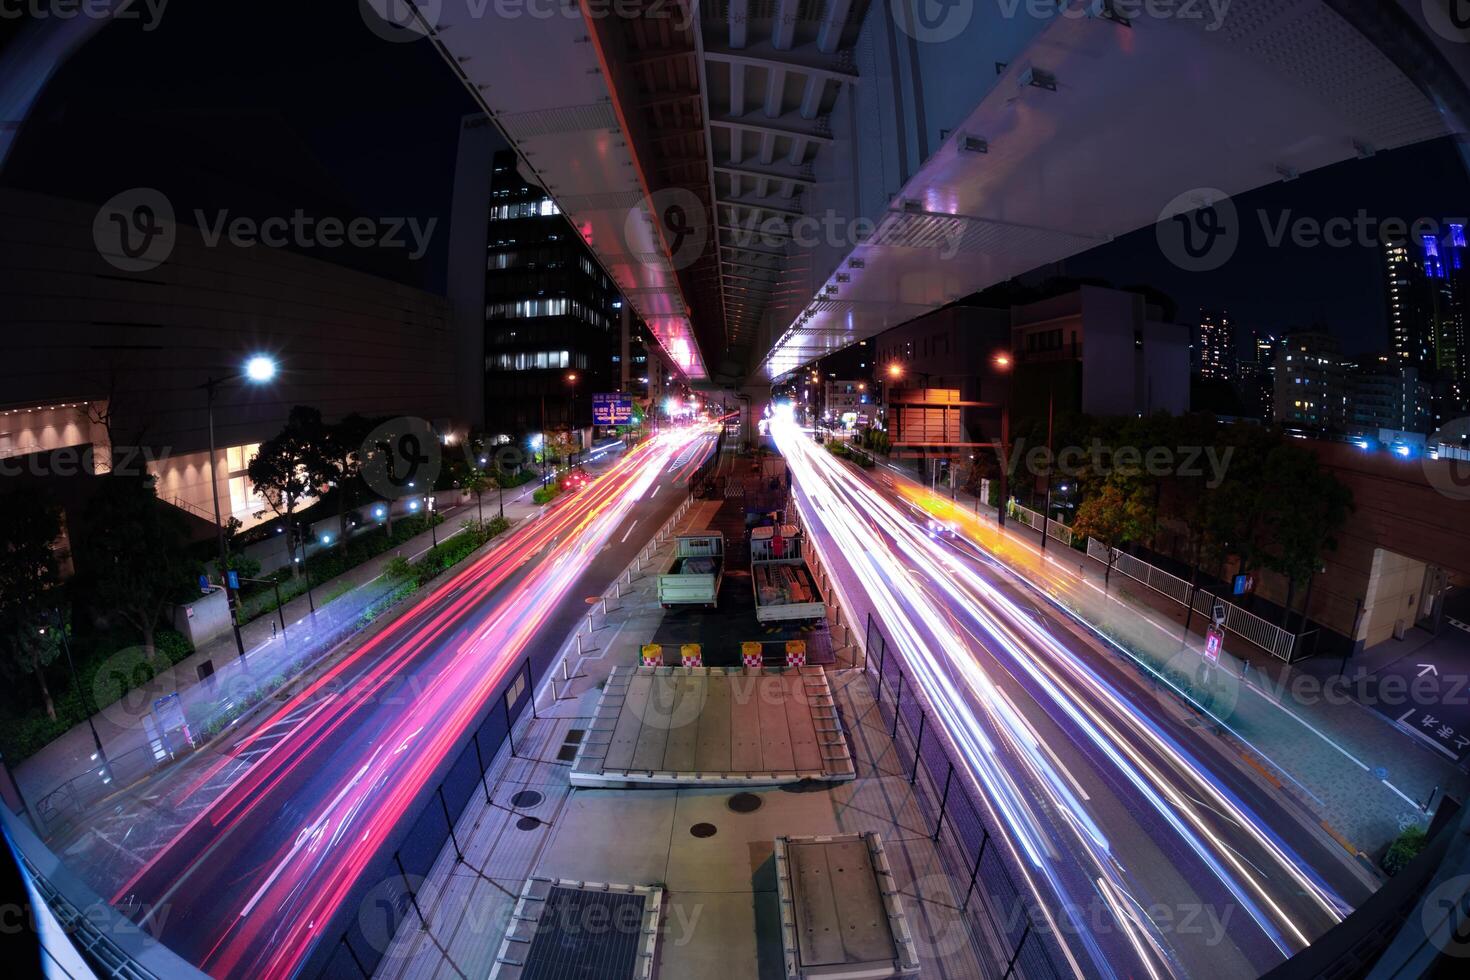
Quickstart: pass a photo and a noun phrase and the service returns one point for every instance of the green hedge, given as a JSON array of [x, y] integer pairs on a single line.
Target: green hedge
[[25, 727], [1404, 849], [546, 494], [448, 554]]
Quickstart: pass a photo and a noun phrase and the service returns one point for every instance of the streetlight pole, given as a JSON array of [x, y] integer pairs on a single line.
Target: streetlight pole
[[429, 515], [301, 538], [1051, 397], [76, 682], [1002, 362], [259, 370]]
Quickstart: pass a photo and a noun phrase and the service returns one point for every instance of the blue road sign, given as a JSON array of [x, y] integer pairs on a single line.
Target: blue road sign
[[612, 408], [204, 583], [233, 577]]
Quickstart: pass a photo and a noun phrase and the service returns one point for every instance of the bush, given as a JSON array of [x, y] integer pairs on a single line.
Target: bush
[[1404, 849], [546, 494]]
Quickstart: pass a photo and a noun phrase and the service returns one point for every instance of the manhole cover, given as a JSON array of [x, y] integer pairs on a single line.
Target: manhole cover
[[527, 823], [526, 799], [744, 803], [702, 830]]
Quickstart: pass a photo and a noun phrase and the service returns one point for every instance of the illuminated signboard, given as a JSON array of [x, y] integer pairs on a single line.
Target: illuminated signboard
[[612, 408]]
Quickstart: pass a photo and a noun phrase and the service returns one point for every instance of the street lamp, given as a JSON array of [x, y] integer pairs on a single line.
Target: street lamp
[[572, 412], [1002, 362], [259, 369], [100, 754]]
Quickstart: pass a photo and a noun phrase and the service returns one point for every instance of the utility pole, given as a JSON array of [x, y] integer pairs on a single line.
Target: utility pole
[[1050, 458]]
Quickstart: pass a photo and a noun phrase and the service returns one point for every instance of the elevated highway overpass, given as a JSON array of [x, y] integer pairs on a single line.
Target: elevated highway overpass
[[773, 180]]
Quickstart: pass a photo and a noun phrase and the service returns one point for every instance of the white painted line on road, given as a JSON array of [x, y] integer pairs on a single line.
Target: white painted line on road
[[630, 531], [656, 489], [1420, 735]]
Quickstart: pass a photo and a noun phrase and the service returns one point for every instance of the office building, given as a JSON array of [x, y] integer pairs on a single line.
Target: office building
[[1386, 396], [1427, 286], [1135, 363], [1215, 347], [113, 375], [1311, 392]]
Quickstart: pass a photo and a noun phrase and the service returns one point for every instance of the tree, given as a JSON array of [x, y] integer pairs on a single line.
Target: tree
[[134, 553], [28, 571], [1303, 508], [335, 460], [477, 481], [1116, 513], [281, 470]]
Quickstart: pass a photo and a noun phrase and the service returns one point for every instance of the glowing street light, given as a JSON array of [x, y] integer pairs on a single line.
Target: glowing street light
[[259, 369]]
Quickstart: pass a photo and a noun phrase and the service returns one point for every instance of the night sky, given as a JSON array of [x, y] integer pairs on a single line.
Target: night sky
[[224, 106]]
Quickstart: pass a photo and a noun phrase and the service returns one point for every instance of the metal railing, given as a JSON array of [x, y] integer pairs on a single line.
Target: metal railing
[[1055, 529], [394, 876], [1280, 643], [991, 900]]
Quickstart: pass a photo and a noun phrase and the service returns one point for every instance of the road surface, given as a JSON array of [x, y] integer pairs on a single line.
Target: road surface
[[1149, 849], [254, 880]]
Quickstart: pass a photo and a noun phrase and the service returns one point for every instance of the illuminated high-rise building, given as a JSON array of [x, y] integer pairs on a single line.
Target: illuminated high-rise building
[[1216, 346]]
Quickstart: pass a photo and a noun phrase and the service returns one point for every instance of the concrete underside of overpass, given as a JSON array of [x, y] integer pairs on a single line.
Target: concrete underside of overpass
[[770, 182]]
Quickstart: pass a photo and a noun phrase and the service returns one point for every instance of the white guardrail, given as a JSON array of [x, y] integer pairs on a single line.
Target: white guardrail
[[1268, 636]]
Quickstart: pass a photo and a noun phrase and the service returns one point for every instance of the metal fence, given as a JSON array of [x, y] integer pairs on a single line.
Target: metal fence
[[1278, 642], [394, 877], [1055, 529], [1005, 916]]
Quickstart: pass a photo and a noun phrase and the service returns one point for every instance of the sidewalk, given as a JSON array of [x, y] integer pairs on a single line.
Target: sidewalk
[[65, 777], [1362, 777], [710, 852]]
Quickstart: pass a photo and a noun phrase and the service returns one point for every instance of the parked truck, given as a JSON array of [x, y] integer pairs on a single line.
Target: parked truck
[[693, 577], [784, 588]]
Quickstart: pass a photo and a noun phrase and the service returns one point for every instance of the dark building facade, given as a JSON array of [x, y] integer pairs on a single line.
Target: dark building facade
[[553, 318], [1428, 289]]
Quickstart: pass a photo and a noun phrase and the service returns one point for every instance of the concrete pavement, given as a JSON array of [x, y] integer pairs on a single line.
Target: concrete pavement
[[722, 912]]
